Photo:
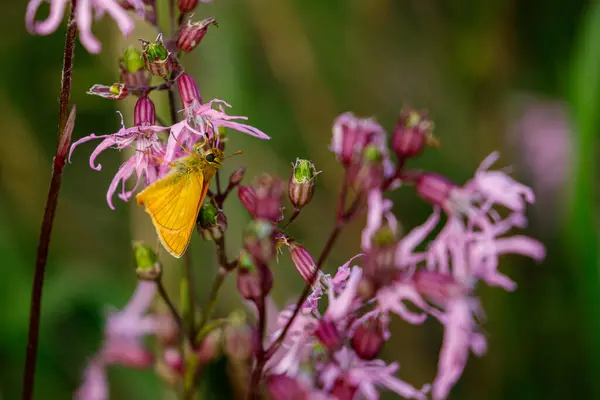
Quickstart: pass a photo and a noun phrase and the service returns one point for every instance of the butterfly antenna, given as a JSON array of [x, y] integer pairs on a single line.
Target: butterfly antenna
[[237, 153], [181, 144]]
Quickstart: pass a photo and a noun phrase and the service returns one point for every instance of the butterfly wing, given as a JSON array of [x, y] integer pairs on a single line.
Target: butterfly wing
[[173, 203]]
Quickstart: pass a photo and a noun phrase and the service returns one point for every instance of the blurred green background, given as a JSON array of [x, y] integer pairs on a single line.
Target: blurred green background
[[521, 77]]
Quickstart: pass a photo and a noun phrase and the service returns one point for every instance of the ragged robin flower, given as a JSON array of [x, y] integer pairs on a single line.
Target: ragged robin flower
[[144, 162]]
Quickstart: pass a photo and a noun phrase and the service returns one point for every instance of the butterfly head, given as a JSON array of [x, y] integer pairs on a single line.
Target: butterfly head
[[214, 157]]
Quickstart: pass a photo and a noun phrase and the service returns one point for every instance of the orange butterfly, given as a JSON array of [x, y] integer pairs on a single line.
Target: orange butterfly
[[174, 201]]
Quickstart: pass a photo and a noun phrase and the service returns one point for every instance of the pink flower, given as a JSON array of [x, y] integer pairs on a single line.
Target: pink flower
[[459, 340], [367, 376], [146, 161], [83, 16], [203, 121], [122, 342]]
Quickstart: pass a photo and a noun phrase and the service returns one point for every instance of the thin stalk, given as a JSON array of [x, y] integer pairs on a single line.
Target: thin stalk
[[292, 218], [172, 309], [50, 210]]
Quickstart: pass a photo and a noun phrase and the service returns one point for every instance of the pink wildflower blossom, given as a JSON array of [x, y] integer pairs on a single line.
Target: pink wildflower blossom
[[83, 16], [122, 344], [149, 151]]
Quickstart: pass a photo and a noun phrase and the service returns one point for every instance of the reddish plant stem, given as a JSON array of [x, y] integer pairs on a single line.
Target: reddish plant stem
[[343, 216], [49, 212], [261, 356]]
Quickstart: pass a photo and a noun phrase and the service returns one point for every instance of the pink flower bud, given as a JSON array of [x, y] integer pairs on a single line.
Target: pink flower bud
[[117, 91], [367, 173], [237, 176], [434, 188], [186, 5], [259, 240], [210, 347], [247, 197], [343, 390], [269, 195], [303, 261], [173, 360], [144, 113], [188, 90], [411, 134], [283, 387], [438, 287], [351, 135], [368, 339], [253, 281], [192, 33], [328, 335]]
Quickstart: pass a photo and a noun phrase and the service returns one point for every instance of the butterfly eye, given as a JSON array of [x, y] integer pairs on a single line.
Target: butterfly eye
[[210, 158]]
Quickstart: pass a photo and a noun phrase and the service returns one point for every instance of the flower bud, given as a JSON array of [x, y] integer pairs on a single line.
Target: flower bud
[[211, 223], [128, 353], [144, 112], [269, 194], [259, 240], [253, 281], [368, 339], [412, 133], [247, 197], [302, 183], [328, 335], [192, 33], [186, 5], [303, 261], [132, 68], [188, 90], [237, 176], [148, 267], [351, 135], [173, 360], [434, 188], [368, 173], [380, 267], [157, 58], [117, 91], [284, 387], [343, 389], [438, 287]]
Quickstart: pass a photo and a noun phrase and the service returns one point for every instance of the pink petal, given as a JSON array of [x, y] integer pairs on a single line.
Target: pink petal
[[95, 383], [415, 237], [522, 245], [87, 139], [30, 13], [120, 16], [124, 172], [83, 13], [57, 10], [338, 307]]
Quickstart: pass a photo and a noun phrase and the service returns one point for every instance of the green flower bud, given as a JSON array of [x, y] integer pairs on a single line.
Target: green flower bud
[[211, 223], [157, 58], [148, 267], [132, 60], [301, 186]]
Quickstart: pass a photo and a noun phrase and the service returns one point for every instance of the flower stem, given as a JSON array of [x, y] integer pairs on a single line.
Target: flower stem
[[172, 309], [49, 211], [261, 356], [343, 216]]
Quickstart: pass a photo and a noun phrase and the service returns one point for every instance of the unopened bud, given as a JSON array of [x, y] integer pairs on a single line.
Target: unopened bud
[[148, 267], [435, 189], [186, 5], [211, 223], [210, 347], [174, 360], [188, 90], [302, 183], [237, 176], [438, 287], [351, 135], [269, 193], [247, 197], [328, 334], [412, 133], [157, 58], [368, 173], [144, 112], [284, 387], [303, 261], [343, 389], [368, 339], [192, 33], [117, 91], [259, 240], [132, 68], [253, 281]]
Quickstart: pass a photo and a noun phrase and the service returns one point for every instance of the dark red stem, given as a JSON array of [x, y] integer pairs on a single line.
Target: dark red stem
[[49, 212]]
